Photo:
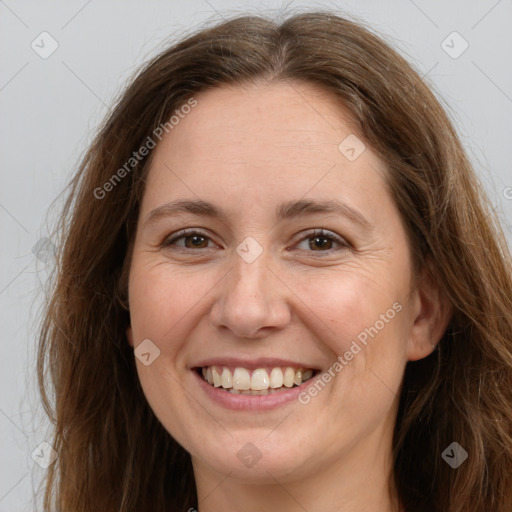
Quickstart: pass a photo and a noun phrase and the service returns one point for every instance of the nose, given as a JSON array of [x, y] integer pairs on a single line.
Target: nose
[[252, 299]]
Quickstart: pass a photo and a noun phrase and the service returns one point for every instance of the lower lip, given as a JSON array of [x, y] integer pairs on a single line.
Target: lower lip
[[251, 402]]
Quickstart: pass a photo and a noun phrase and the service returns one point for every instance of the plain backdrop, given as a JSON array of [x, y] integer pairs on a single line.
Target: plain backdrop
[[50, 108]]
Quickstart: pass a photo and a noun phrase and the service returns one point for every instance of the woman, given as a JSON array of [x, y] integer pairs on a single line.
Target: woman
[[280, 287]]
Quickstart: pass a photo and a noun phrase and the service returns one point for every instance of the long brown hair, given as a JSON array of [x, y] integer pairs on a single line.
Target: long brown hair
[[114, 455]]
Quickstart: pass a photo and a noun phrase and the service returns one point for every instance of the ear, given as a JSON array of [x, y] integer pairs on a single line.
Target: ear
[[432, 312], [129, 335]]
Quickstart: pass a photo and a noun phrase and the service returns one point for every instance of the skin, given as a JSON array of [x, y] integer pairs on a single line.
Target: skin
[[247, 150]]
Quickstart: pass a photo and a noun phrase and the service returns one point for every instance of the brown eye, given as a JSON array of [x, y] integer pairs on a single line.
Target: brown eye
[[323, 242], [191, 240], [196, 241]]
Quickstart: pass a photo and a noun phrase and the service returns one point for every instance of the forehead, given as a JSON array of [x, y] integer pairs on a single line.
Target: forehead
[[238, 119], [262, 143]]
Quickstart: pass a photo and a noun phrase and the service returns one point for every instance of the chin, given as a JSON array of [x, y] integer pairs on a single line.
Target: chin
[[261, 464]]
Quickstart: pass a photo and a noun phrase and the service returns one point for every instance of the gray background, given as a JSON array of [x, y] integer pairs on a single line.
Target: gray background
[[51, 107]]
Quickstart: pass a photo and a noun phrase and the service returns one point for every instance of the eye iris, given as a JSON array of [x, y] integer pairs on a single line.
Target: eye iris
[[195, 238], [322, 245]]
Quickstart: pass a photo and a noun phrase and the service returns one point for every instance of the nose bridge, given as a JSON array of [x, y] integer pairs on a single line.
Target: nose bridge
[[250, 297], [251, 276]]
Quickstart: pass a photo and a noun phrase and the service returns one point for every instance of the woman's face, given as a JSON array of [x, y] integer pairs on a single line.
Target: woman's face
[[268, 286]]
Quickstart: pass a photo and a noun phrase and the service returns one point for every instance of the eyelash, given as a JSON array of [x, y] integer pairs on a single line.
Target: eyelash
[[329, 235]]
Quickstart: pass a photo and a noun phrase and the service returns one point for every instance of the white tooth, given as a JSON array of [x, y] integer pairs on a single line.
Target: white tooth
[[226, 378], [260, 379], [209, 376], [276, 378], [234, 391], [298, 377], [203, 371], [216, 377], [307, 375], [289, 377], [241, 379]]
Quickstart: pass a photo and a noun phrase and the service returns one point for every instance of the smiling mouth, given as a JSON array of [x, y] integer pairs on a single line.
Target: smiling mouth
[[261, 381]]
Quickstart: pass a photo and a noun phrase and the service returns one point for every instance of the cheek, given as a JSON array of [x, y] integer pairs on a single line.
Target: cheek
[[347, 302], [363, 319], [162, 298], [162, 310]]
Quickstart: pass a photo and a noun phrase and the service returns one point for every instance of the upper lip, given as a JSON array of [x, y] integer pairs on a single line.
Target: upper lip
[[252, 364]]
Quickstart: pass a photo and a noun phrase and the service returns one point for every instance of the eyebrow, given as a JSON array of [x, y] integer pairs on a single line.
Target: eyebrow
[[284, 211]]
